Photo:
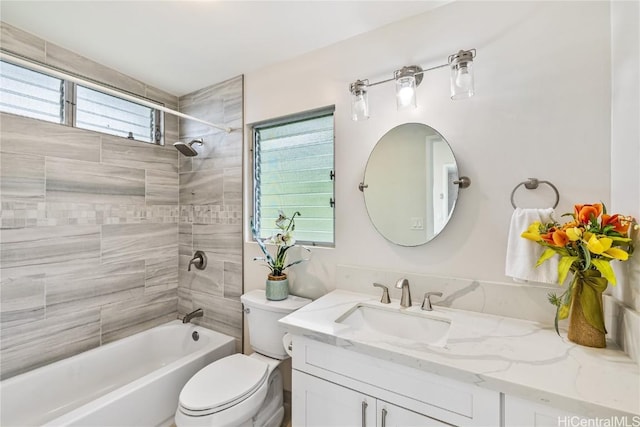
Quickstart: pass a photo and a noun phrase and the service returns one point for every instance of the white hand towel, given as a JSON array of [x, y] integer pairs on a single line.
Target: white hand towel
[[522, 254]]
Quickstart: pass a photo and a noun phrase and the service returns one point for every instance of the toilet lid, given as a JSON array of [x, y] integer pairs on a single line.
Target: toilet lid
[[223, 382]]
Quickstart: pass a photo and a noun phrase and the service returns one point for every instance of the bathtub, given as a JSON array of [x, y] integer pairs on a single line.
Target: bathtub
[[134, 381]]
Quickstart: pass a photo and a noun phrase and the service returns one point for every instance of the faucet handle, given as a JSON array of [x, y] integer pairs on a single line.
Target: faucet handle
[[385, 293], [199, 261], [426, 303]]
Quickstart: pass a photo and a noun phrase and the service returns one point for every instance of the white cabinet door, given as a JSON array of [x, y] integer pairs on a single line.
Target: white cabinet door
[[524, 413], [389, 415], [320, 403]]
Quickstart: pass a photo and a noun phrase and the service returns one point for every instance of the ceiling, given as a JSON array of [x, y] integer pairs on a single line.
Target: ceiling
[[183, 46]]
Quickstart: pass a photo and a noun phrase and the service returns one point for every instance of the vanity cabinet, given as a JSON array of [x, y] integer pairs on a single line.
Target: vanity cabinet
[[524, 413], [333, 386], [324, 404], [320, 403]]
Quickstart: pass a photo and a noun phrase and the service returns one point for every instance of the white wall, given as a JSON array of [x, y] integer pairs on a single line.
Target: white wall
[[625, 132], [542, 109]]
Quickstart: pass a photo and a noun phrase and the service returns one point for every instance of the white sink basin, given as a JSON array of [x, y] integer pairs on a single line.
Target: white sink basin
[[389, 324]]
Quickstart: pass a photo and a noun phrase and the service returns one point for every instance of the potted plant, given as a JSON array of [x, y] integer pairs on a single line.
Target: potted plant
[[586, 245], [277, 284]]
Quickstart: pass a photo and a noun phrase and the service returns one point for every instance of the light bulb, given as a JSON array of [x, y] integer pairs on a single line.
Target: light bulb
[[405, 95], [406, 92], [359, 106], [463, 78]]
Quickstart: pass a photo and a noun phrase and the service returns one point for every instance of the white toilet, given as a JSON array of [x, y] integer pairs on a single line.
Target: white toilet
[[241, 390]]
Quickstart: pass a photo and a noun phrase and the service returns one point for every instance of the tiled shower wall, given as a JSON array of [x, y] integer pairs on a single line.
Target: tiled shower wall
[[89, 226], [211, 208]]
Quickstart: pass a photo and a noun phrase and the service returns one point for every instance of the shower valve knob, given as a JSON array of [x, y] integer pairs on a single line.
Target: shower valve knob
[[199, 261]]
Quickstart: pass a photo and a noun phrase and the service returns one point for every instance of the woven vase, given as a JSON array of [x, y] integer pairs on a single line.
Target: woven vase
[[580, 331]]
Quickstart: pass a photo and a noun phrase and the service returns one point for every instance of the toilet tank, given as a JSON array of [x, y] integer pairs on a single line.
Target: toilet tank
[[265, 333]]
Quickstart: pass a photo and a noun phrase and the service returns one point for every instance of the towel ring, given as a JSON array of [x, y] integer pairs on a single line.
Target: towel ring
[[532, 184]]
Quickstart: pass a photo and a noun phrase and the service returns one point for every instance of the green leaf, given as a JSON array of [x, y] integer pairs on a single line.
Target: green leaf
[[619, 239], [604, 267], [300, 260], [564, 265], [548, 253], [553, 299], [586, 255], [607, 229], [592, 308], [565, 305]]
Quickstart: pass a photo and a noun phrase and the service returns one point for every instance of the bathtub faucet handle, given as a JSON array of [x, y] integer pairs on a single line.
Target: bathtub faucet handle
[[195, 313], [199, 261]]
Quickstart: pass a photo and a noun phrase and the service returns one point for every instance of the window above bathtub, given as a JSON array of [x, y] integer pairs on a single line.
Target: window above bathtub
[[293, 171], [37, 95], [31, 94]]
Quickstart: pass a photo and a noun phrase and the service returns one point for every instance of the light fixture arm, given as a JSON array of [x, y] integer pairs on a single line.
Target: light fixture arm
[[417, 73]]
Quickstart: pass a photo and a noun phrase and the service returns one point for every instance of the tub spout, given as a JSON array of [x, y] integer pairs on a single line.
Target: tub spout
[[195, 313]]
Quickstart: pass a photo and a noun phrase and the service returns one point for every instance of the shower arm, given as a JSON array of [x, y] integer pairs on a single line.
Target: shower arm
[[91, 84]]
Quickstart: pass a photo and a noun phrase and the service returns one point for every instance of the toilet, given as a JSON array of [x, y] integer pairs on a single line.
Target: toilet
[[241, 390]]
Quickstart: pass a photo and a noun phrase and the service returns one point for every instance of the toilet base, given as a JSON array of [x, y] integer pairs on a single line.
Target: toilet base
[[270, 414]]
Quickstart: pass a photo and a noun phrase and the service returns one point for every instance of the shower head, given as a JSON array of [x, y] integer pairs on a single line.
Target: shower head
[[186, 148]]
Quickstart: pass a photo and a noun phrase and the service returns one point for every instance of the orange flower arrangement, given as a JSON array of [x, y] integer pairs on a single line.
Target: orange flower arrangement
[[586, 245]]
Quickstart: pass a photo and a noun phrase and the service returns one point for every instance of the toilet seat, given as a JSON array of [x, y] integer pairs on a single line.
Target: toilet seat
[[237, 378]]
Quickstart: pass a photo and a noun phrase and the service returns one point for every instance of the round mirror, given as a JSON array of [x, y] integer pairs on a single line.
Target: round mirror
[[409, 185]]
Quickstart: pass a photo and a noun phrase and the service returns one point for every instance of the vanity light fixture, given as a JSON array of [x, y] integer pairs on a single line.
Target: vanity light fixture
[[408, 78], [359, 100], [462, 74]]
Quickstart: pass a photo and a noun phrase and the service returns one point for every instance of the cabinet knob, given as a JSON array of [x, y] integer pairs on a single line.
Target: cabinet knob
[[384, 417]]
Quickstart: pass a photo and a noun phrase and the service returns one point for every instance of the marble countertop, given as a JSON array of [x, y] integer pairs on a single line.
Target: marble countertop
[[521, 358]]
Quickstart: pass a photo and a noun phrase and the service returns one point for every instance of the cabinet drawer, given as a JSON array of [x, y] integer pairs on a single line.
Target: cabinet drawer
[[442, 398]]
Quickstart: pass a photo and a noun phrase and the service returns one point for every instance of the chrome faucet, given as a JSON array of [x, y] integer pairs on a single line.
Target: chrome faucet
[[195, 313], [426, 303], [405, 300]]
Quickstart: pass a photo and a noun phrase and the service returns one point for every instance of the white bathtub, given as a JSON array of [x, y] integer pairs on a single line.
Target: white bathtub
[[131, 382]]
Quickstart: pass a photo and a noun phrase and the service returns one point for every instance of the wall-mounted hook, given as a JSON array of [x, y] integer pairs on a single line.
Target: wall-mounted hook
[[199, 261]]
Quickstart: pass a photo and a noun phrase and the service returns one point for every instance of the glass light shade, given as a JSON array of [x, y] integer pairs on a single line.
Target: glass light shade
[[406, 92], [462, 80], [360, 105]]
